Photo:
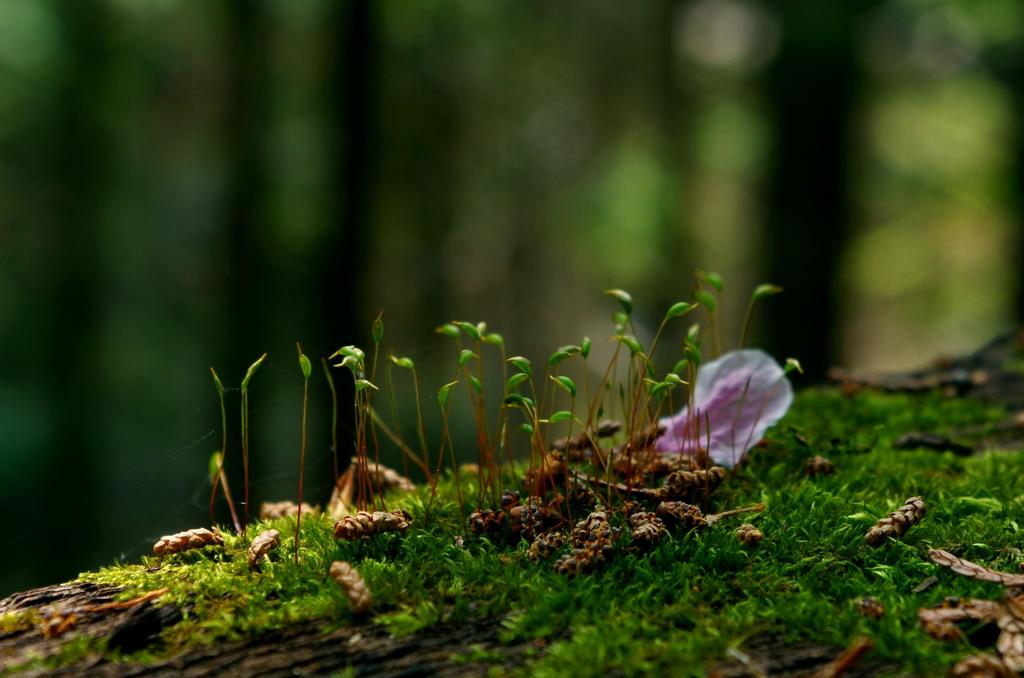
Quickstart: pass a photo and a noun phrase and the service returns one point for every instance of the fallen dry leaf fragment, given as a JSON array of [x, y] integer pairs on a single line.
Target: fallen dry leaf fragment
[[981, 666], [261, 546], [1011, 634], [973, 570]]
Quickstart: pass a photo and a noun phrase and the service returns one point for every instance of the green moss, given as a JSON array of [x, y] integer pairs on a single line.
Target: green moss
[[682, 605]]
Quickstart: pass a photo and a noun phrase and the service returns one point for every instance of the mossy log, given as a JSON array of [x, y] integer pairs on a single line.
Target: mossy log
[[304, 648], [308, 649]]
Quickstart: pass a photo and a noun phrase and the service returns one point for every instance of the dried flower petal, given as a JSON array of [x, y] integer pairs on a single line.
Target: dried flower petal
[[740, 395]]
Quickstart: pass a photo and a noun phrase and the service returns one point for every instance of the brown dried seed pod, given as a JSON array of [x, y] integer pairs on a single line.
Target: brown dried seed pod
[[897, 523], [365, 524], [680, 515], [509, 499], [648, 529], [592, 538], [544, 545], [748, 535], [531, 517], [981, 666], [818, 466], [261, 546], [189, 539], [352, 583], [551, 472], [870, 607], [384, 478], [486, 521], [568, 564], [683, 485], [973, 570], [581, 496], [272, 510], [593, 528], [628, 507], [1010, 643]]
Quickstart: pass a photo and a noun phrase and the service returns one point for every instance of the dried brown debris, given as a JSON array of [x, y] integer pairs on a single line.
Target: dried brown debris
[[713, 518], [748, 535], [272, 510], [509, 499], [818, 466], [681, 515], [532, 517], [579, 443], [365, 524], [486, 521], [683, 485], [897, 523], [57, 624], [939, 621], [973, 570], [544, 545], [981, 666], [352, 583], [648, 529], [184, 541], [592, 539], [1011, 634], [870, 607], [384, 478], [261, 546], [850, 657]]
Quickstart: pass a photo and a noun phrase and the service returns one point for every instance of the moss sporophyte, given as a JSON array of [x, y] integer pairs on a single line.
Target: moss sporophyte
[[604, 509]]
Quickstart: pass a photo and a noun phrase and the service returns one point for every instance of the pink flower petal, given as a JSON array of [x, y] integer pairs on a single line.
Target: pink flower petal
[[741, 395]]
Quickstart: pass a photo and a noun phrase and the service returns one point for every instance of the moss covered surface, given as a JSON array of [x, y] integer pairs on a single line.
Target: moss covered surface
[[680, 607]]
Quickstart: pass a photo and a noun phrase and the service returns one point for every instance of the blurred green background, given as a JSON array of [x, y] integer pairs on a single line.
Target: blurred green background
[[186, 184]]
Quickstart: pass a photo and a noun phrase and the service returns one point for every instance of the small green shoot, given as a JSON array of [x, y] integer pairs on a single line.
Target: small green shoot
[[245, 430], [220, 478], [307, 371], [760, 292]]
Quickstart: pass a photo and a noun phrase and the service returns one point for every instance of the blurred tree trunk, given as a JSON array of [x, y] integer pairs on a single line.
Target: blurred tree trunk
[[813, 87], [68, 343], [352, 138], [1006, 61], [245, 121], [671, 110]]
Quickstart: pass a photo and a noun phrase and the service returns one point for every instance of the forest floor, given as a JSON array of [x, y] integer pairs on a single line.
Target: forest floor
[[448, 602]]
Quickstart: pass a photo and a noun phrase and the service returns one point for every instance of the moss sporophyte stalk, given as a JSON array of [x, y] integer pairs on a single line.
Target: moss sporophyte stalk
[[645, 514]]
